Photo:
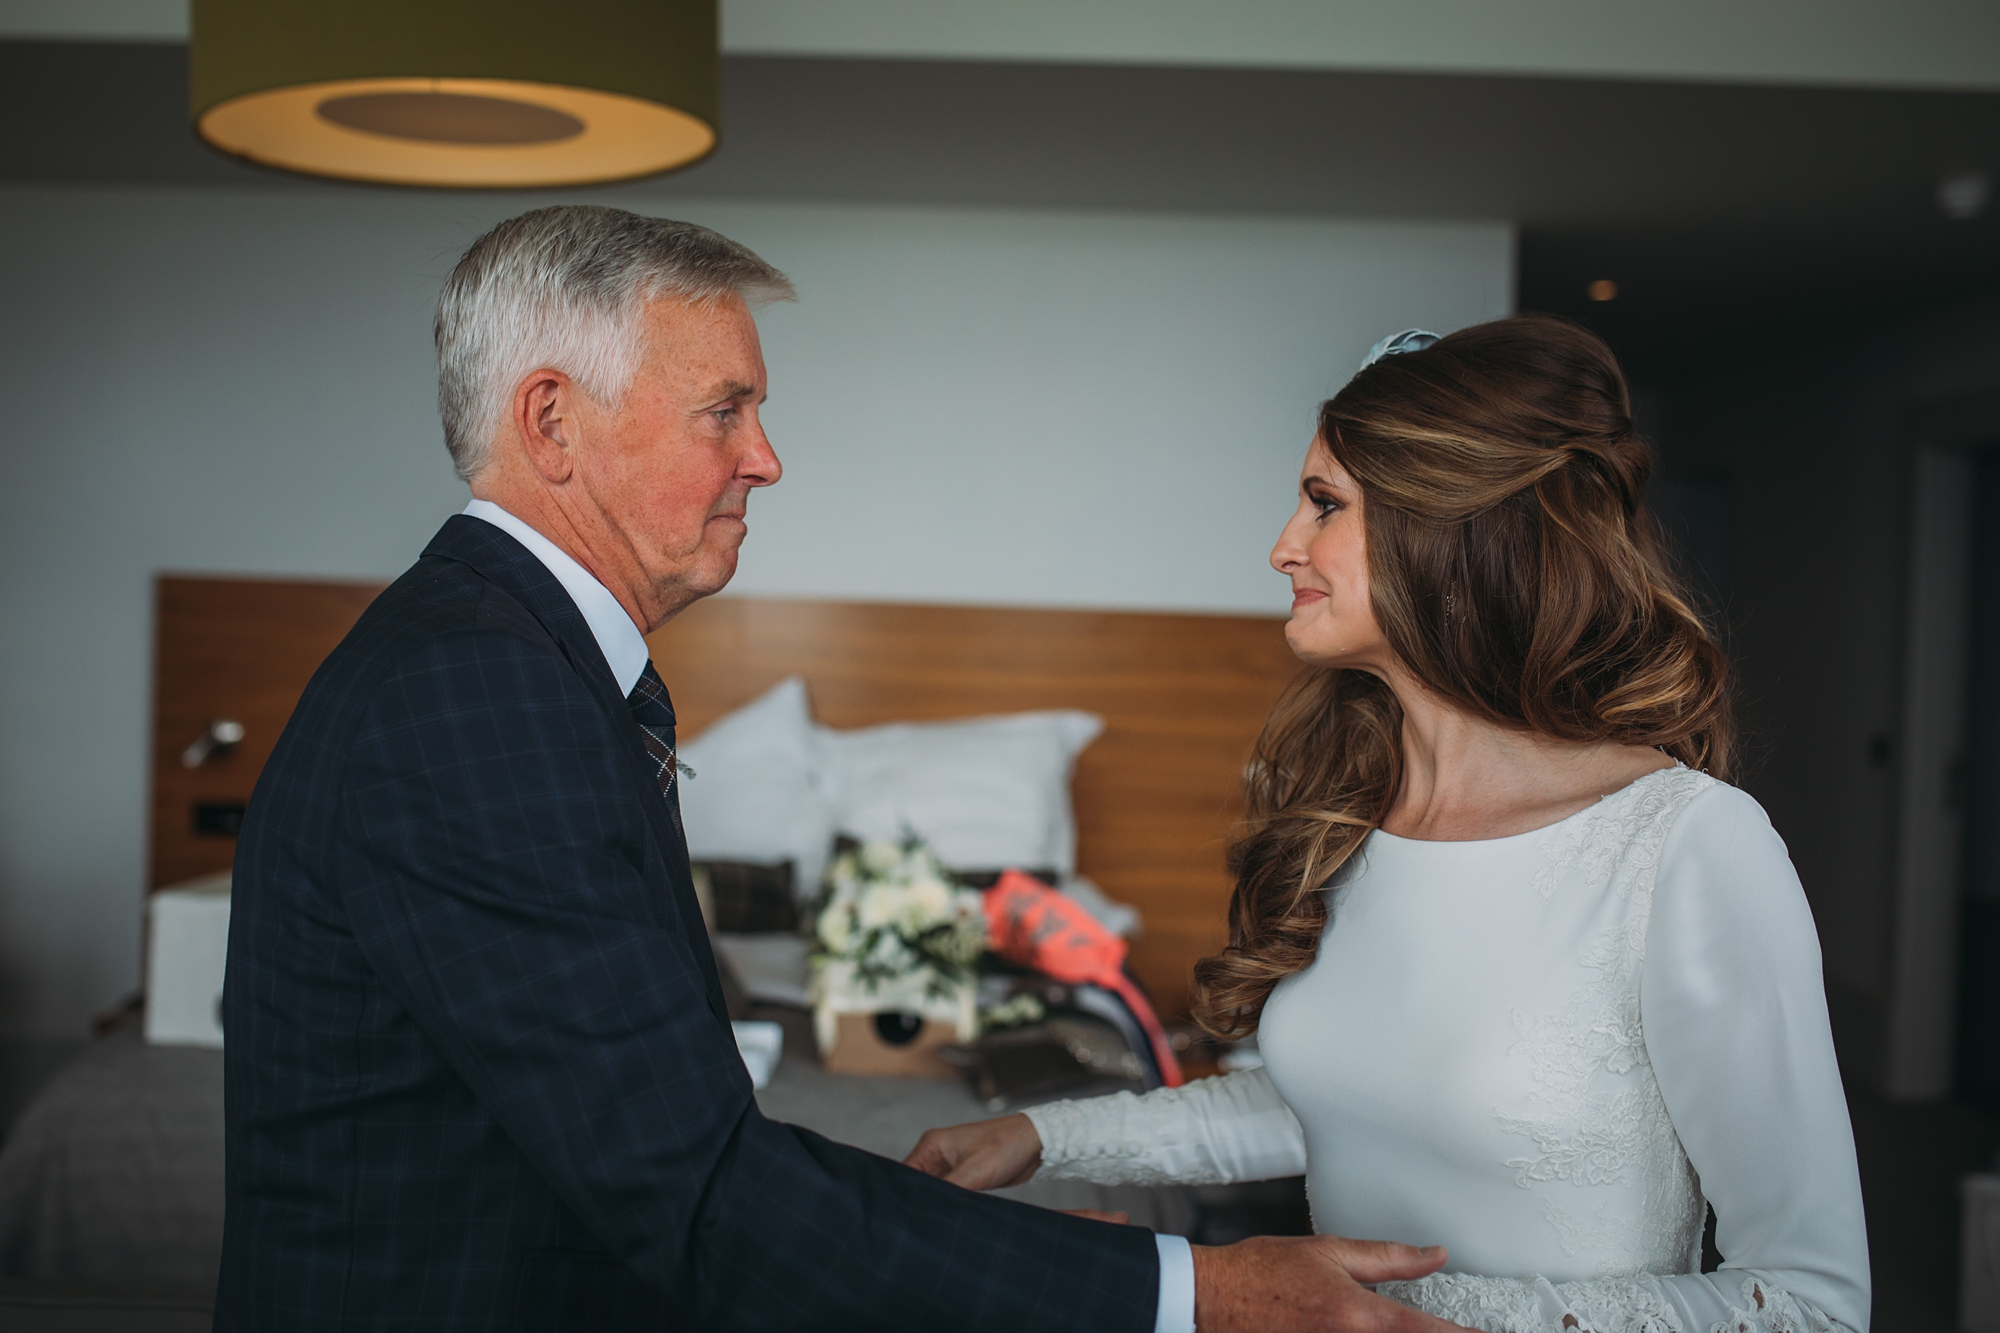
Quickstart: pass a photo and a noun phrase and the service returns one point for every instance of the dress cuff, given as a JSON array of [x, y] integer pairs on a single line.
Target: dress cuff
[[1052, 1122]]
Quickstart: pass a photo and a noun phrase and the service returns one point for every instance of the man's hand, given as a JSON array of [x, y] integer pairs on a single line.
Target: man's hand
[[1267, 1284], [1272, 1284], [984, 1155]]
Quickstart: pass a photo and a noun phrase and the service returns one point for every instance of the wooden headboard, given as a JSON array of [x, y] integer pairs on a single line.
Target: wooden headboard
[[236, 649], [1182, 697]]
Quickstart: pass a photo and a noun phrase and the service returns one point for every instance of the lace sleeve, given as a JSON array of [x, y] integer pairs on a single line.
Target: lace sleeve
[[1214, 1131], [1731, 1301]]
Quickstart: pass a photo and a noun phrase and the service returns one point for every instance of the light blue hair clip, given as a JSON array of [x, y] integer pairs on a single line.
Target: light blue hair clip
[[1409, 340]]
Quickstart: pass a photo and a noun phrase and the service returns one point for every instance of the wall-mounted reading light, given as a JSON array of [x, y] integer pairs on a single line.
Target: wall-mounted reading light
[[1604, 289], [223, 735], [458, 92]]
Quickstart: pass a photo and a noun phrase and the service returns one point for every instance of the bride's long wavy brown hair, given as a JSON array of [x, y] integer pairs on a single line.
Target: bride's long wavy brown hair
[[1514, 570]]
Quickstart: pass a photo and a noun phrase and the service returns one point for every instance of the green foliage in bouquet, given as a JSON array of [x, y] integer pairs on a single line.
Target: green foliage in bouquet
[[892, 912]]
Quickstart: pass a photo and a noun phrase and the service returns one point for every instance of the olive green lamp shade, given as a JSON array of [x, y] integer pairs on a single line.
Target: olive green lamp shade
[[469, 93]]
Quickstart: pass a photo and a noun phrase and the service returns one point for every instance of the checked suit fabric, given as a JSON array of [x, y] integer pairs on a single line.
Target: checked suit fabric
[[480, 1074]]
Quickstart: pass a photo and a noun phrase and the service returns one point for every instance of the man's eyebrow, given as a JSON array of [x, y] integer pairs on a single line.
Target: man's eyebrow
[[731, 389]]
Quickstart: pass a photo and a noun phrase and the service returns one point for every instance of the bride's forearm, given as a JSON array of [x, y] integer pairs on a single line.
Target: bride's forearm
[[1211, 1132]]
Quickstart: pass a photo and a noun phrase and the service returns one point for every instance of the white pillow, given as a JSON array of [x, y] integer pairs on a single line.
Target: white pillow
[[757, 793], [987, 793]]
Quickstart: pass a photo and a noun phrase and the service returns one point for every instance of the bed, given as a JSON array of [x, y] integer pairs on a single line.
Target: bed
[[112, 1177]]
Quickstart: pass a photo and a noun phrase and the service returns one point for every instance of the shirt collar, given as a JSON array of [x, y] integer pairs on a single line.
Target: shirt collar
[[623, 646]]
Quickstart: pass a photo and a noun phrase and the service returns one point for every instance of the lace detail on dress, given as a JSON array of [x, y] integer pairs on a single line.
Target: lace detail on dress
[[1071, 1152], [1602, 841], [1617, 1307], [1234, 1127], [1600, 1231], [1601, 1119], [1771, 1310], [1496, 1304], [1514, 1305]]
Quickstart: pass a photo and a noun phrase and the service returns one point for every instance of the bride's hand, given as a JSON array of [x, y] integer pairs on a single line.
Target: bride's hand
[[984, 1155]]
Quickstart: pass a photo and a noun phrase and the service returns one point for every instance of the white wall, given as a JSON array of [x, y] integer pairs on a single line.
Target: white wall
[[1893, 43], [1068, 410], [972, 407]]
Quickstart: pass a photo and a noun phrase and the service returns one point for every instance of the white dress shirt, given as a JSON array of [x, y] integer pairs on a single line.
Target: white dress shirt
[[1548, 1053], [624, 647], [625, 652]]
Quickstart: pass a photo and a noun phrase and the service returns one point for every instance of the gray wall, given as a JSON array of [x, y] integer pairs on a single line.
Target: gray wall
[[973, 406], [1818, 440]]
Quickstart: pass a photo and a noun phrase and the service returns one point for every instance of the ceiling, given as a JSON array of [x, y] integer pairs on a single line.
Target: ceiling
[[1728, 214], [1824, 43]]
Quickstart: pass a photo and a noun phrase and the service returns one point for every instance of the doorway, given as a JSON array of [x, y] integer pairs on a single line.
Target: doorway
[[1977, 1073]]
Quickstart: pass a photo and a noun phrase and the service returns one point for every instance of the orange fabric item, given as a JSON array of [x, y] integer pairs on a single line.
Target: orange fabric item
[[1031, 925]]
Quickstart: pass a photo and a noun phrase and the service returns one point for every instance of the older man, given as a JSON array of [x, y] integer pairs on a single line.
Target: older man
[[480, 1074]]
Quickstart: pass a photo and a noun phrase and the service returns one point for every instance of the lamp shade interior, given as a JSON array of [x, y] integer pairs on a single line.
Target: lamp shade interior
[[499, 93], [466, 132], [451, 118]]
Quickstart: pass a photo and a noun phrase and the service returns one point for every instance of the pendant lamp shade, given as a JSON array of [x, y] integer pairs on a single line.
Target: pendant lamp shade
[[496, 93]]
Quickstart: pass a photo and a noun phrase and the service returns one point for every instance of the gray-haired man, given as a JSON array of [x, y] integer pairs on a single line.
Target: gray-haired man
[[479, 1069]]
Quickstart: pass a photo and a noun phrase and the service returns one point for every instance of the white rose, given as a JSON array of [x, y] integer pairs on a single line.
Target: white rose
[[879, 856], [836, 929], [930, 902], [880, 905]]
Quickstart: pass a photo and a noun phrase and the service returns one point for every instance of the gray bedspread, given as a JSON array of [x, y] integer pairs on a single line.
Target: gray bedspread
[[888, 1115], [112, 1178]]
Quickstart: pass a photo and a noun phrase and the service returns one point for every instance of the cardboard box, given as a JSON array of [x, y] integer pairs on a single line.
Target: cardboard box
[[878, 1044]]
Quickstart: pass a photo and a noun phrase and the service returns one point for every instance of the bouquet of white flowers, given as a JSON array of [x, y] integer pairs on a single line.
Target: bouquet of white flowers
[[896, 934]]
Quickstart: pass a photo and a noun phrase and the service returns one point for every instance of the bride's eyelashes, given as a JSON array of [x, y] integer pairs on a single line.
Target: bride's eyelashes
[[1323, 504]]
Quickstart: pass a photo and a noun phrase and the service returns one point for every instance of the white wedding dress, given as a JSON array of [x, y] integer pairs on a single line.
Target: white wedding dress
[[1544, 1052]]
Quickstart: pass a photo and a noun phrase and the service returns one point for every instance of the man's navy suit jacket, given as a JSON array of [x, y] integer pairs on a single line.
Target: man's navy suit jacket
[[479, 1070]]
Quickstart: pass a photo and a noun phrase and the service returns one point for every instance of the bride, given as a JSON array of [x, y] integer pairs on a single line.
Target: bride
[[1529, 978]]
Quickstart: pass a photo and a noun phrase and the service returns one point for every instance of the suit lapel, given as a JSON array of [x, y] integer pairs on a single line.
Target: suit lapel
[[506, 563]]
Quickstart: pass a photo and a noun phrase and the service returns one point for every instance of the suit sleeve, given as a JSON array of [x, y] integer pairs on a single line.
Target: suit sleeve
[[497, 866]]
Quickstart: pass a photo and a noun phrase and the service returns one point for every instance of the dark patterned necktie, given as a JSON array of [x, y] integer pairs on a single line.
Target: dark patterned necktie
[[654, 712]]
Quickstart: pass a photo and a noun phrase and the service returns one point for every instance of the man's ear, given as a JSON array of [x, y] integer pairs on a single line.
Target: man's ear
[[545, 419]]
